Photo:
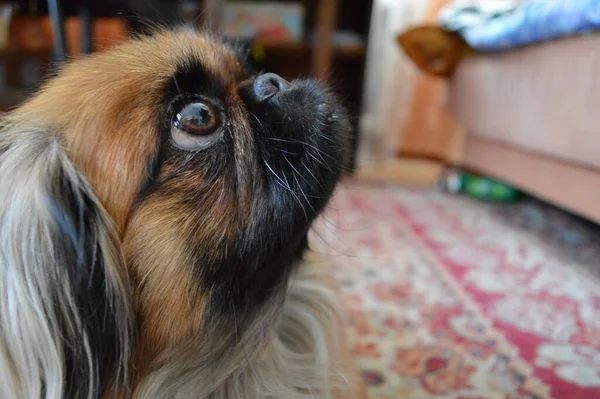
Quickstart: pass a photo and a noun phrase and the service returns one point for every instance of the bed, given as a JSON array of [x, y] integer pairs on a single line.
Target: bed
[[532, 114], [527, 94]]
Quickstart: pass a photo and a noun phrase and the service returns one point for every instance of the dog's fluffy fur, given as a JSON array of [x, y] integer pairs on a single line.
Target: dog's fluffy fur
[[132, 267]]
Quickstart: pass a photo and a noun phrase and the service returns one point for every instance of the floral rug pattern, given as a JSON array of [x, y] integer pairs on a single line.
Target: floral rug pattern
[[452, 298]]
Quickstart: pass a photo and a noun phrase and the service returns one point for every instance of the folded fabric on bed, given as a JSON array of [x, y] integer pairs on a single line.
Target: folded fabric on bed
[[462, 14], [530, 22]]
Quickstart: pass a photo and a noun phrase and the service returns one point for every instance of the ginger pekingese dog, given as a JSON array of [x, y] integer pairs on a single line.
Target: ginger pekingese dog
[[154, 207]]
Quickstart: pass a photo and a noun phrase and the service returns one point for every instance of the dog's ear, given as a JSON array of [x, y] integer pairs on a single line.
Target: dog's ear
[[65, 314]]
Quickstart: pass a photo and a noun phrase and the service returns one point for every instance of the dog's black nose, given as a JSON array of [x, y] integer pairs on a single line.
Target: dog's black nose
[[267, 85]]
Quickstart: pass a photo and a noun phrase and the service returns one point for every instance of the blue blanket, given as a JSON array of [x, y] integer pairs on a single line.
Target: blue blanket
[[534, 21]]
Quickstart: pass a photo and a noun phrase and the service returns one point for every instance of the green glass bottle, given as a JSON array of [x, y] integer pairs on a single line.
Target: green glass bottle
[[480, 187]]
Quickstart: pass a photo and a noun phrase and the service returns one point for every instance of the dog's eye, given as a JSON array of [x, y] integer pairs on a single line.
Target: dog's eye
[[193, 126], [196, 118]]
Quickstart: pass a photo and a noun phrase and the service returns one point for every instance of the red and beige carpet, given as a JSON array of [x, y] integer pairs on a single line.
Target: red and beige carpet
[[448, 297]]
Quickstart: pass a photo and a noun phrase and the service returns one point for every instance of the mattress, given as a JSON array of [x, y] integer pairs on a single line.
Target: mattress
[[544, 98]]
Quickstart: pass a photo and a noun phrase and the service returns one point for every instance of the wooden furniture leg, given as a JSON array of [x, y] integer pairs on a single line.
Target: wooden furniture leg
[[322, 57]]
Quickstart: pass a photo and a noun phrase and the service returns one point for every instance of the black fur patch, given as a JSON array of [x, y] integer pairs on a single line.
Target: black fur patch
[[193, 80], [75, 218]]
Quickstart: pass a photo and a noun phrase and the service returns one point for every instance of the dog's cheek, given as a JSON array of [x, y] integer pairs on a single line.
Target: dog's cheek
[[173, 237], [168, 304]]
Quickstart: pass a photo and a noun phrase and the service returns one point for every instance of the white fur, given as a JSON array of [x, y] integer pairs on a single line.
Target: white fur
[[38, 315]]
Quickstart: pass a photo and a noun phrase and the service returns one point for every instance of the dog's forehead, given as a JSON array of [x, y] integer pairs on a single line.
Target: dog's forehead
[[174, 50]]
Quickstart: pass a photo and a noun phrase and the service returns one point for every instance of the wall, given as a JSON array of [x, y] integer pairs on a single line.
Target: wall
[[388, 76]]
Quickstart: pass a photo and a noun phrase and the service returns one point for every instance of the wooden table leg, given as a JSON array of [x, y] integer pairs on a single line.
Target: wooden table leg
[[322, 57]]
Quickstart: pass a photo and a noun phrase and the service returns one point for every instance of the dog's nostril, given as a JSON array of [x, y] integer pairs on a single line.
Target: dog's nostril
[[267, 85]]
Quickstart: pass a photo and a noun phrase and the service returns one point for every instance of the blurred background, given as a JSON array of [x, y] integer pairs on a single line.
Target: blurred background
[[466, 237], [324, 39]]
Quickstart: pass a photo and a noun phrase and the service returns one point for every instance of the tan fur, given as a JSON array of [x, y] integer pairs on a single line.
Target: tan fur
[[169, 306]]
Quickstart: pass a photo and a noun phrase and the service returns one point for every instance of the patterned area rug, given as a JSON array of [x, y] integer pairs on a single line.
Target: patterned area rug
[[448, 297]]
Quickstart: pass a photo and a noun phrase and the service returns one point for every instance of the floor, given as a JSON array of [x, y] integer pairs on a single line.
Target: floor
[[412, 171], [448, 297]]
